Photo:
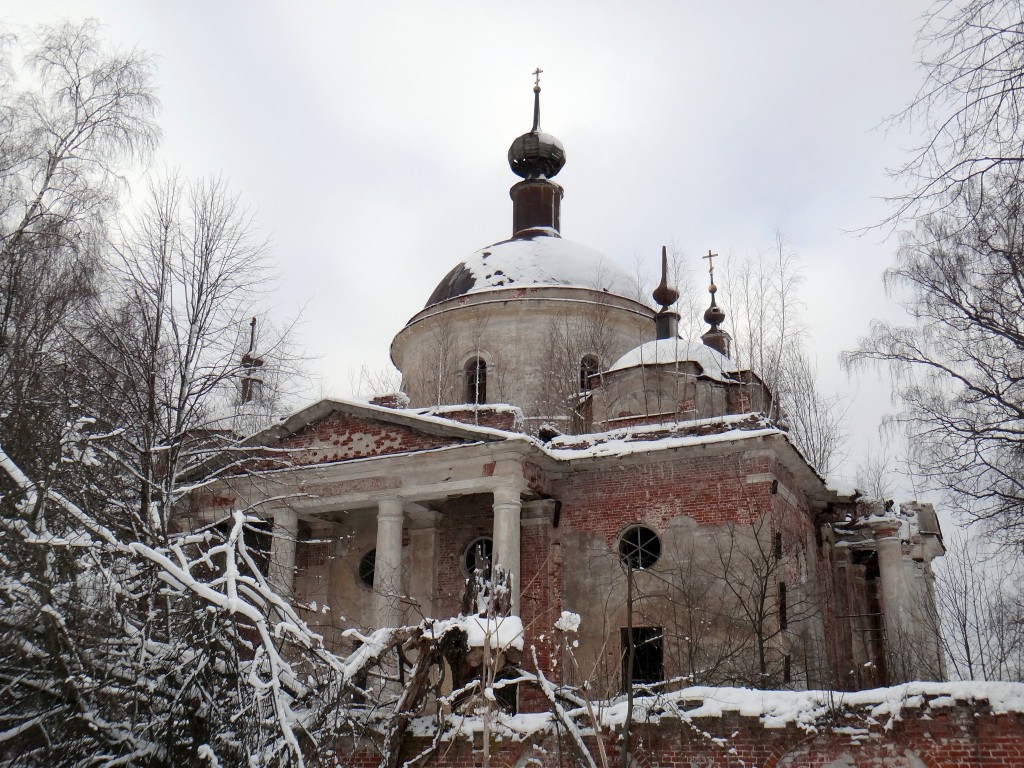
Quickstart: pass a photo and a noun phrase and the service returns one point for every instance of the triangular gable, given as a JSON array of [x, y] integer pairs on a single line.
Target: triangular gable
[[338, 430], [342, 436]]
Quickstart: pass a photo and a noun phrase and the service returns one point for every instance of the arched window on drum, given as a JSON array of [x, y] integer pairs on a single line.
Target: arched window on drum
[[589, 368], [476, 380]]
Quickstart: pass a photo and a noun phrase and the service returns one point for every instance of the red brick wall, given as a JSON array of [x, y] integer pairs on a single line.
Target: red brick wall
[[343, 436], [464, 519], [709, 489], [541, 596], [966, 735], [504, 418], [716, 490]]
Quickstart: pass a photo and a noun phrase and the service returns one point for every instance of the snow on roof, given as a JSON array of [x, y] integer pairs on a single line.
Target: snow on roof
[[441, 410], [713, 363], [533, 260], [321, 408], [843, 487], [905, 516], [647, 437]]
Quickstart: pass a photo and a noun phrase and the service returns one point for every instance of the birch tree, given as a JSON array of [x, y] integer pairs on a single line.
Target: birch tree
[[73, 113], [956, 365], [121, 640], [765, 317], [969, 106]]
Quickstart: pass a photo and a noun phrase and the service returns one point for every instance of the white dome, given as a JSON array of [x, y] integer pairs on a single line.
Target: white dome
[[536, 259], [713, 363]]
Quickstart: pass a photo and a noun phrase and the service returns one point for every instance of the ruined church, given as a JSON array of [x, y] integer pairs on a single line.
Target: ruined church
[[557, 430]]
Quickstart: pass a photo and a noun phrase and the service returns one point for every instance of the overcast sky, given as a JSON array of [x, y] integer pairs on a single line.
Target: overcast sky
[[370, 138]]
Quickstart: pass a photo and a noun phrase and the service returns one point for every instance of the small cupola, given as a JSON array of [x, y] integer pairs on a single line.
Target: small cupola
[[536, 157], [252, 380], [716, 338]]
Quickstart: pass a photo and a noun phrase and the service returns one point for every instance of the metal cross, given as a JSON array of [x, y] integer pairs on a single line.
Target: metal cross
[[711, 264], [536, 76]]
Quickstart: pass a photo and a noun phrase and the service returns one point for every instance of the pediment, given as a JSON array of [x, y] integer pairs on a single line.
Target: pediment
[[338, 430]]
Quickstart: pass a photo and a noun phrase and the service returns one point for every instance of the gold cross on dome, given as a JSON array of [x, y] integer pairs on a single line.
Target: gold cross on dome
[[536, 76]]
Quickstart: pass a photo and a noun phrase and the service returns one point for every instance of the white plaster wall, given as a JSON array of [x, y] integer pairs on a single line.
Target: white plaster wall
[[511, 331]]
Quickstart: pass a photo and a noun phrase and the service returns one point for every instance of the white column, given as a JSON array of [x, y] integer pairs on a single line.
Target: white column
[[899, 638], [424, 548], [507, 510], [282, 551], [387, 572]]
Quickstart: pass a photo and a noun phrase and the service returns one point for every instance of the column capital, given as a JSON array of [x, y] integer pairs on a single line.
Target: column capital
[[884, 528], [284, 515], [390, 507], [422, 517], [509, 491]]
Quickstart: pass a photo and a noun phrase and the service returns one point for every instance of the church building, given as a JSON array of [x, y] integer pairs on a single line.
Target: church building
[[558, 431]]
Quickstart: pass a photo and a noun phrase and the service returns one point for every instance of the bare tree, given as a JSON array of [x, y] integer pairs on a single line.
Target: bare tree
[[815, 420], [578, 348], [874, 477], [764, 303], [165, 359], [204, 668], [62, 146], [373, 382], [956, 367], [122, 640], [969, 105], [981, 613], [769, 602], [442, 383], [704, 640]]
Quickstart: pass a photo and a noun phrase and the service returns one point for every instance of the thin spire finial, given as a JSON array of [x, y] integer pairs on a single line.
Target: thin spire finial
[[536, 100], [714, 315], [252, 335]]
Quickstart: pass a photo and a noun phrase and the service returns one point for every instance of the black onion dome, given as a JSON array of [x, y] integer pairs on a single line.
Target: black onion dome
[[536, 155], [714, 315]]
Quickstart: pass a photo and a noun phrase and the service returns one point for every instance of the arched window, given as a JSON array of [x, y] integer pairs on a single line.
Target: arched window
[[367, 566], [478, 555], [588, 370], [476, 381]]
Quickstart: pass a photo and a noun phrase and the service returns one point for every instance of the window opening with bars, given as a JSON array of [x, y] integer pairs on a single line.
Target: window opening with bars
[[639, 547]]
